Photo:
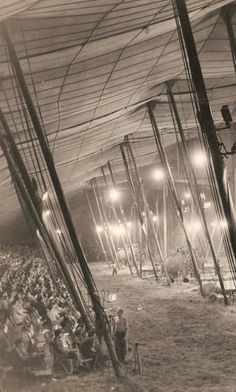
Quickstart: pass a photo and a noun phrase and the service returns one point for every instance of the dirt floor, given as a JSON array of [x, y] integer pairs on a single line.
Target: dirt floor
[[187, 344]]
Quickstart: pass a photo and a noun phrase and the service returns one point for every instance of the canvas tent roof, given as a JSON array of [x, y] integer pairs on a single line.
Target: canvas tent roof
[[91, 66]]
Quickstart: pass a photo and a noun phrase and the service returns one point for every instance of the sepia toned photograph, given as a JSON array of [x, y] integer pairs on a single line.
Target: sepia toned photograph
[[117, 196]]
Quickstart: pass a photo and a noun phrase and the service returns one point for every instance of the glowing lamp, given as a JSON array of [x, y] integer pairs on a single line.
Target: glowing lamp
[[223, 223], [194, 226], [155, 218], [45, 196], [120, 230], [199, 159], [114, 194], [158, 174], [207, 204], [47, 213], [187, 195], [99, 229]]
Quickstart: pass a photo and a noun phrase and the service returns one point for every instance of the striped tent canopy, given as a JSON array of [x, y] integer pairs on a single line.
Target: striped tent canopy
[[91, 65]]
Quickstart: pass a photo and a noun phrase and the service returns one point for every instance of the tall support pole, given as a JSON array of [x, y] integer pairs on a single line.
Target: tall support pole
[[173, 191], [95, 225], [16, 168], [150, 221], [190, 174], [45, 250], [165, 220], [102, 219], [91, 287], [118, 222], [124, 222], [206, 121], [226, 14], [107, 225], [139, 212]]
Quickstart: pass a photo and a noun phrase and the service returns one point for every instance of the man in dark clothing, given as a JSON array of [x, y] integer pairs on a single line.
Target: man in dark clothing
[[120, 325], [87, 349]]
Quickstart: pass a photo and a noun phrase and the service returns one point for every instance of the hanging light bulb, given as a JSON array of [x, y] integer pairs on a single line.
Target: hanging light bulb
[[114, 194], [206, 205], [99, 229], [187, 195], [47, 213], [194, 226], [199, 158], [45, 196], [158, 174]]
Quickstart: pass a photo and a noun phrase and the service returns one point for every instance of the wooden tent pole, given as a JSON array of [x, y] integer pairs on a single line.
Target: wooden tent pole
[[25, 192], [165, 220], [151, 224], [91, 287], [33, 228], [225, 12], [105, 219], [118, 222], [196, 199], [227, 16], [173, 192], [137, 207], [206, 121], [124, 222], [95, 225]]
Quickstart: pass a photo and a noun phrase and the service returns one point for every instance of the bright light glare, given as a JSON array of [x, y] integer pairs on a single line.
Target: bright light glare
[[187, 195], [114, 194], [155, 218], [194, 226], [199, 158], [158, 174], [47, 213], [129, 224], [117, 230], [45, 196], [99, 229], [223, 223], [207, 204], [58, 231]]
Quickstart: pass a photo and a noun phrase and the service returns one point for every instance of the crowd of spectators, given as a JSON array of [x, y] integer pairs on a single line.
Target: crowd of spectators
[[40, 327]]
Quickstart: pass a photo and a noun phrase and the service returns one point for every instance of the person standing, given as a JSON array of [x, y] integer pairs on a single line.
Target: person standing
[[120, 333], [114, 269]]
